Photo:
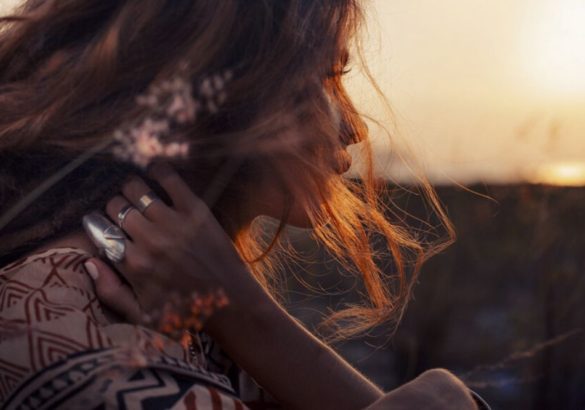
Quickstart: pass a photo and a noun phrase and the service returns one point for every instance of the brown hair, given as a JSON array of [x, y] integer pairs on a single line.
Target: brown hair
[[69, 73]]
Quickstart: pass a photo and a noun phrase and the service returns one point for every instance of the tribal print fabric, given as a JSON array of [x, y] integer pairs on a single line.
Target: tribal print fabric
[[59, 348]]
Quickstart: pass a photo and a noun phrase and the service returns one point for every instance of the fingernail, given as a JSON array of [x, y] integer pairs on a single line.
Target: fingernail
[[91, 269]]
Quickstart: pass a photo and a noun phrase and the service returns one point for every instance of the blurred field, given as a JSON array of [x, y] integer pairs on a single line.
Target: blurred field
[[503, 308]]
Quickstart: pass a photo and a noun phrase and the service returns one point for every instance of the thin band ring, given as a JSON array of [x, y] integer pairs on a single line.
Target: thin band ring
[[124, 213], [146, 200]]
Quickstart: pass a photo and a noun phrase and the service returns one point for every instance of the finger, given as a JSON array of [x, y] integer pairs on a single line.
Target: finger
[[136, 267], [150, 302], [179, 192], [134, 223], [140, 273], [112, 292], [143, 270], [139, 270], [135, 189]]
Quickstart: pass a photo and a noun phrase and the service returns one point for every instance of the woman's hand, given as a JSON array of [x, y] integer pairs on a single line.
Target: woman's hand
[[171, 251], [180, 248]]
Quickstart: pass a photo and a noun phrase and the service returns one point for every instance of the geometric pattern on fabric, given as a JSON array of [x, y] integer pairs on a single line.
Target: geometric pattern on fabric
[[60, 348], [116, 378]]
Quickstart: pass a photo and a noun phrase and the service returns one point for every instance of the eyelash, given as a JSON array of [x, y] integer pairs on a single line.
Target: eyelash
[[345, 61], [335, 74]]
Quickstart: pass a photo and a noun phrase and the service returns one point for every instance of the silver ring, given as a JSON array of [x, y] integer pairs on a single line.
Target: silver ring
[[123, 214], [146, 200], [106, 236]]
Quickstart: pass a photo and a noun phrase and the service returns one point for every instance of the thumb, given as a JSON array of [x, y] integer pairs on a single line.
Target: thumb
[[112, 291]]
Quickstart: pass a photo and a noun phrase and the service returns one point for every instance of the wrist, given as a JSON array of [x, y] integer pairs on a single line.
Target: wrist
[[249, 305]]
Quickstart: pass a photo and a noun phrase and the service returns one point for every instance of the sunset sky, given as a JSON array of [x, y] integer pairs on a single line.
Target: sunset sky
[[481, 90]]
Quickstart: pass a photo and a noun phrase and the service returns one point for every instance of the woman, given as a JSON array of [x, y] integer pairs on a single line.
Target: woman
[[245, 100]]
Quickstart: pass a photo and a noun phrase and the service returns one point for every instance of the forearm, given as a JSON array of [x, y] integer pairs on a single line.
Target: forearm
[[290, 363]]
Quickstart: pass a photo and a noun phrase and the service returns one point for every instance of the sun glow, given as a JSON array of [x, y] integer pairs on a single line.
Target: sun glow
[[562, 173], [556, 48]]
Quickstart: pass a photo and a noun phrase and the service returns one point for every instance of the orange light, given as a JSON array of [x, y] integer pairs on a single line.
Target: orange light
[[561, 174]]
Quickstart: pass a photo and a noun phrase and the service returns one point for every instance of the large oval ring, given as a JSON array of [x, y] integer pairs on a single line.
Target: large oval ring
[[124, 213], [106, 236], [146, 200]]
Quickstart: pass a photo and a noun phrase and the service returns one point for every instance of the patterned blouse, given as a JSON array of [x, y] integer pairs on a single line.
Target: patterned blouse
[[59, 348]]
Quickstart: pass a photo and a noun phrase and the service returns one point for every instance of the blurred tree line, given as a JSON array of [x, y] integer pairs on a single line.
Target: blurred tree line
[[503, 307]]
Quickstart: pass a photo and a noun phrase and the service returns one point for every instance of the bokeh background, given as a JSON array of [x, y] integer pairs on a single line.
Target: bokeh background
[[488, 100]]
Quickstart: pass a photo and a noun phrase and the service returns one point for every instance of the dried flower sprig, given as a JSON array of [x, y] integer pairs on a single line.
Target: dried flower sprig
[[213, 90], [180, 314], [168, 105]]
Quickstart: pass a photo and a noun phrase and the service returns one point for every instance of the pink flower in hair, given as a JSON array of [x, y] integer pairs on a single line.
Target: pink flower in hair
[[168, 105], [183, 110], [144, 143]]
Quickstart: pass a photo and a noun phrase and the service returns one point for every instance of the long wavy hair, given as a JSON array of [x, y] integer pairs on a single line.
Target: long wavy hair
[[69, 74]]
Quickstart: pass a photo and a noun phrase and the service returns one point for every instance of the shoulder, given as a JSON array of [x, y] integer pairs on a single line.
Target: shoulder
[[56, 337]]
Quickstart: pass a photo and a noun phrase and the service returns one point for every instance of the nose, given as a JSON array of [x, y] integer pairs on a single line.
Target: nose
[[348, 133], [347, 130]]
